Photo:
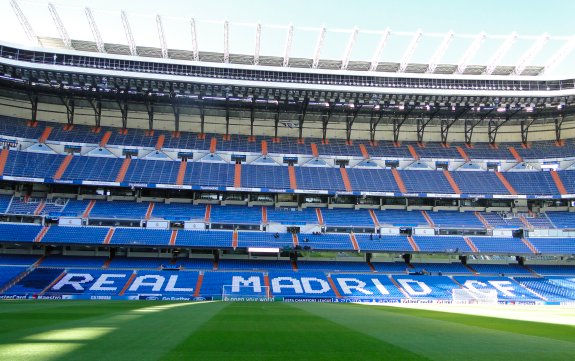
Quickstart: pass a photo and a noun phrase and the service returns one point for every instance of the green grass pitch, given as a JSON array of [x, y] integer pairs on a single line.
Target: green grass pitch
[[124, 330]]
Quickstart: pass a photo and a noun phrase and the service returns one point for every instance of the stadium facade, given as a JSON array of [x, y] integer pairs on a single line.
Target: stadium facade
[[156, 173]]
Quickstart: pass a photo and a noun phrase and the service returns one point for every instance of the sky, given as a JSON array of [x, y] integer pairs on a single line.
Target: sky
[[435, 18]]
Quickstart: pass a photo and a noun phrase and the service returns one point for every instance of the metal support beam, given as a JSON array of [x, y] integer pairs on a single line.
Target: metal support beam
[[33, 97], [409, 51], [438, 55], [202, 115], [25, 23], [277, 117], [350, 117], [422, 124], [446, 123], [318, 46], [287, 48], [398, 123], [257, 46], [494, 125], [60, 26], [96, 104], [128, 32], [95, 31], [560, 55], [227, 116], [176, 110], [500, 53], [195, 52], [349, 49], [373, 123], [325, 120], [252, 115], [148, 101], [470, 125], [530, 54], [69, 104], [558, 125], [301, 115], [525, 124], [226, 41], [163, 43], [380, 46], [470, 53], [123, 104]]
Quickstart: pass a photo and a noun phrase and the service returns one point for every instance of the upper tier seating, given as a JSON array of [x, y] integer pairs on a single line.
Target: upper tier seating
[[33, 165], [89, 235], [13, 127], [326, 241], [264, 239], [327, 266], [421, 181], [292, 216], [4, 203], [500, 245], [254, 176], [139, 236], [12, 232], [372, 180], [532, 182], [478, 182], [319, 178], [119, 209], [435, 268], [179, 211], [554, 245], [236, 215], [562, 220], [210, 174], [152, 171], [498, 269], [395, 217], [441, 244], [211, 239], [18, 259], [92, 168], [553, 270], [347, 217], [447, 219], [376, 243]]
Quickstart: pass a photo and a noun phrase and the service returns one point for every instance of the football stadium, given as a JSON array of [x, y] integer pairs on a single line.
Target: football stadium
[[164, 199]]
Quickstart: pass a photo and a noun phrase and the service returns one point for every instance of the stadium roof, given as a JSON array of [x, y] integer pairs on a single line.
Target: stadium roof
[[387, 50]]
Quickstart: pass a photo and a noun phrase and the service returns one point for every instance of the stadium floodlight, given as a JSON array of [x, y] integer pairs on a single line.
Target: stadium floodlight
[[530, 54], [349, 48], [287, 48], [128, 32], [471, 51], [257, 46], [500, 53], [226, 41], [95, 31], [25, 23], [440, 52], [60, 26], [561, 54], [163, 43], [409, 51], [195, 52], [379, 50], [318, 46]]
